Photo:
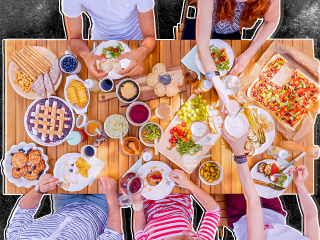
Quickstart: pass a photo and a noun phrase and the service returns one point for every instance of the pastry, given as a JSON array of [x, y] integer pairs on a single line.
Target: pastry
[[72, 95], [19, 160], [76, 84], [160, 90], [107, 65], [152, 79], [177, 78], [30, 174], [34, 157], [19, 172], [116, 66], [154, 178], [83, 167], [49, 120], [48, 84], [55, 72], [164, 78], [82, 96], [38, 87], [172, 90], [159, 68]]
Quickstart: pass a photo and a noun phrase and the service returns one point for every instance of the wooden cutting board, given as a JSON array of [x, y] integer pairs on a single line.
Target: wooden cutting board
[[173, 155], [146, 92]]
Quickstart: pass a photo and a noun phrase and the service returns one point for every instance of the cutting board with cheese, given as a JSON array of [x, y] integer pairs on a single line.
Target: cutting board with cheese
[[206, 139], [146, 92]]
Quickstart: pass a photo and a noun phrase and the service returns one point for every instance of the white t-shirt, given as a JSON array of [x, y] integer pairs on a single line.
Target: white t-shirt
[[275, 227], [112, 19]]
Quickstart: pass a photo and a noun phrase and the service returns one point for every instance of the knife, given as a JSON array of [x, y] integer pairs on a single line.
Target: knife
[[293, 161], [240, 109]]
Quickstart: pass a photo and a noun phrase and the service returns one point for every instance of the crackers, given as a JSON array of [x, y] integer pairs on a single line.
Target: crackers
[[77, 94], [152, 79], [160, 90], [83, 167], [159, 68]]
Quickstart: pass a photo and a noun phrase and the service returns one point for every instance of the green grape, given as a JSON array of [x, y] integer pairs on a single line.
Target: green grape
[[189, 115], [198, 118], [199, 96], [189, 108], [185, 118], [201, 105], [197, 110], [184, 109], [204, 118], [192, 118], [180, 117], [195, 115], [185, 114], [204, 101], [180, 113], [203, 108]]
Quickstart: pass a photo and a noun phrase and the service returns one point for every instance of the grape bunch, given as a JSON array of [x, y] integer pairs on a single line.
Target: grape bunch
[[194, 110]]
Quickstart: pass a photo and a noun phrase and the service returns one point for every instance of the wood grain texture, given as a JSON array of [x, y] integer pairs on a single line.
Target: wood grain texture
[[116, 162]]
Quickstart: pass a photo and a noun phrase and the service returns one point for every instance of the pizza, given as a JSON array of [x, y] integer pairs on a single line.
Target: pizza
[[288, 103]]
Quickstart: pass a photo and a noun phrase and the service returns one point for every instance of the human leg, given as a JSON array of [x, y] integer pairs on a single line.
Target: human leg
[[236, 206]]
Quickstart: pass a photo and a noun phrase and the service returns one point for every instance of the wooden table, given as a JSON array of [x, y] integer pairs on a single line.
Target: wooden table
[[116, 161]]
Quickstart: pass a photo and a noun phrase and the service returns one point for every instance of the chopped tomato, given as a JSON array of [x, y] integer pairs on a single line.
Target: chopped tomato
[[180, 132], [183, 124], [175, 134], [115, 50], [274, 169], [170, 141], [102, 55], [173, 145], [185, 140], [183, 129], [178, 126], [179, 137], [174, 129], [171, 131], [173, 138]]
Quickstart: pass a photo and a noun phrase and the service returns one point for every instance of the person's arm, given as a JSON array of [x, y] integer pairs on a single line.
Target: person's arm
[[80, 48], [271, 20], [139, 217], [22, 218], [202, 196], [108, 186], [137, 56], [254, 211], [309, 209]]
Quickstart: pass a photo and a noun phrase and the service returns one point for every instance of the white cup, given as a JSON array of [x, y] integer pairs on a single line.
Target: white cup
[[238, 126], [84, 148], [100, 85]]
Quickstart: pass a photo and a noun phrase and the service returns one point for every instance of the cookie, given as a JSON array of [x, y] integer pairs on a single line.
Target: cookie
[[34, 157], [38, 168], [172, 90], [177, 79], [164, 78], [30, 174], [19, 160], [19, 172], [154, 178], [159, 68], [152, 79], [160, 90]]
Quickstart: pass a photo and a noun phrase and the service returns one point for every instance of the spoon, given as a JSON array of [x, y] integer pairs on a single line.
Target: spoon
[[97, 130], [156, 145], [121, 134]]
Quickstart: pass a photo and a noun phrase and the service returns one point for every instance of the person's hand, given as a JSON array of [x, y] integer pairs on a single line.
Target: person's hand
[[180, 177], [137, 197], [237, 144], [224, 103], [136, 65], [108, 186], [300, 176], [47, 182], [241, 62], [90, 61]]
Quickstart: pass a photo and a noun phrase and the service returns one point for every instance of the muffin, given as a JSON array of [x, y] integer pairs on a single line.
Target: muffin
[[177, 78], [160, 90], [159, 68], [152, 79], [172, 90]]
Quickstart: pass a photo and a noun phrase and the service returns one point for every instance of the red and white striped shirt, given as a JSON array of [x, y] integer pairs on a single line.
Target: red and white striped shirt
[[172, 215]]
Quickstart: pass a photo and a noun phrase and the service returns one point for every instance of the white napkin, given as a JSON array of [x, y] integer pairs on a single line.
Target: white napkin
[[96, 165], [135, 167], [209, 139]]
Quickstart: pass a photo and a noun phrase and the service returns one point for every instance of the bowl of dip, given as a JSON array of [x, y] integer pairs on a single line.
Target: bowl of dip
[[163, 111], [128, 90], [92, 127], [238, 126], [138, 113], [113, 124], [148, 132]]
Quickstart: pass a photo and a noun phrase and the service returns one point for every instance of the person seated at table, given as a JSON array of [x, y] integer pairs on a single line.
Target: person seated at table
[[112, 20], [171, 217], [252, 217], [76, 216], [225, 19]]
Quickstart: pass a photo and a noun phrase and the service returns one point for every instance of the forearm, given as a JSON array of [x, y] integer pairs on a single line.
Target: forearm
[[79, 47], [114, 218], [203, 197], [262, 35], [139, 220], [31, 200], [310, 213], [148, 45]]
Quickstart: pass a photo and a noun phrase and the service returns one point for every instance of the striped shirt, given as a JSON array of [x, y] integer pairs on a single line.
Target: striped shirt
[[87, 222], [225, 27], [172, 215]]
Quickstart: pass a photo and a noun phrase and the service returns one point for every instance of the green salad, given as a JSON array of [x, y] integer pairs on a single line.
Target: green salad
[[113, 52], [220, 58]]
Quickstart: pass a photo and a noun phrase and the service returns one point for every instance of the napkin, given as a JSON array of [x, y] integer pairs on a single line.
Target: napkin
[[209, 139], [96, 166], [135, 167], [189, 60]]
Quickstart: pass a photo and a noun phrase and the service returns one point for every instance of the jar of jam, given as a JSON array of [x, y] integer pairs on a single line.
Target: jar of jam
[[132, 183]]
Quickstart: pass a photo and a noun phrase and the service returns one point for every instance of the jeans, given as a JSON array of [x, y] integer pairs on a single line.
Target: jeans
[[98, 200]]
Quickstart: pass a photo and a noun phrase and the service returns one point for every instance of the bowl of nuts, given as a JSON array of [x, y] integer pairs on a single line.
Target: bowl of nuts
[[210, 173]]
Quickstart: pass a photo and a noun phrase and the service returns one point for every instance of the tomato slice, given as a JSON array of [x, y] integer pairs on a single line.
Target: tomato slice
[[102, 55], [115, 50], [274, 169]]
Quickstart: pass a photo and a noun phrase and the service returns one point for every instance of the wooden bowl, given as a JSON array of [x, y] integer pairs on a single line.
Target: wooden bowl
[[127, 141]]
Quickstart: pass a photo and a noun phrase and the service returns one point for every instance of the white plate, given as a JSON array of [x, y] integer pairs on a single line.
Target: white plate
[[160, 191], [78, 110], [7, 166], [269, 135], [48, 55], [71, 158], [263, 191], [33, 137], [124, 62], [219, 44]]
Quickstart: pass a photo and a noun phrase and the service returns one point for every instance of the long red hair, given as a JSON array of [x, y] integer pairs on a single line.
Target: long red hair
[[253, 10]]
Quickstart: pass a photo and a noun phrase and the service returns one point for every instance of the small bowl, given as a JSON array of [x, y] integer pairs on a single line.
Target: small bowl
[[215, 182], [105, 126], [128, 117], [121, 98], [150, 144], [242, 117], [126, 149], [87, 132]]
